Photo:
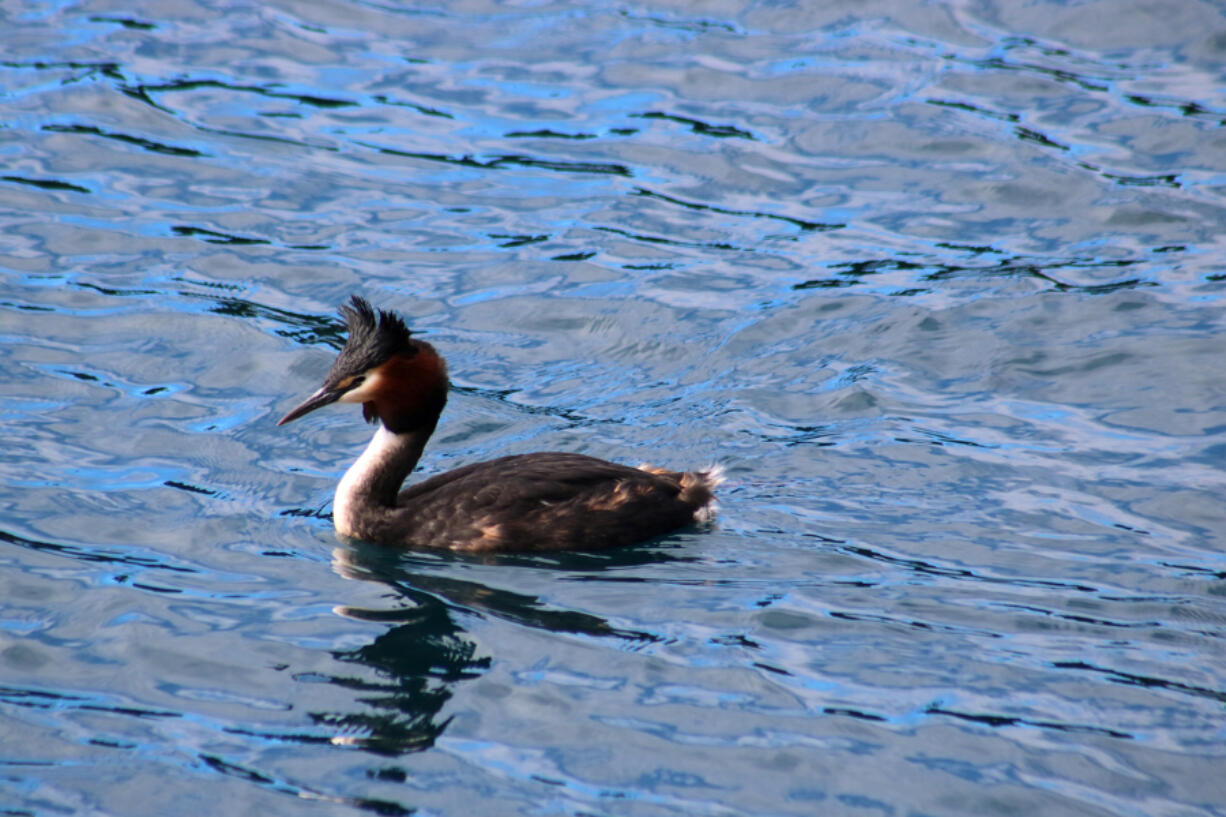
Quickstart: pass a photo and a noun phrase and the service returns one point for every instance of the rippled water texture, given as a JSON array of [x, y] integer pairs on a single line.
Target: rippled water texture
[[940, 284]]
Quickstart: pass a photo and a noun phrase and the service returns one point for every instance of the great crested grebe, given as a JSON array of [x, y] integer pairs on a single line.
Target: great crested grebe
[[527, 502]]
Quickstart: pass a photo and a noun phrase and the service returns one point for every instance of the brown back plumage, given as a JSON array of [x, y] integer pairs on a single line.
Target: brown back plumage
[[548, 501]]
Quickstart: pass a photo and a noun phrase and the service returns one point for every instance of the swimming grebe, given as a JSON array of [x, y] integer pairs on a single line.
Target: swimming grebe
[[527, 502]]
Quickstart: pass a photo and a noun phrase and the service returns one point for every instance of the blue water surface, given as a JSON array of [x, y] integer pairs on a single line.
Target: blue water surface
[[940, 285]]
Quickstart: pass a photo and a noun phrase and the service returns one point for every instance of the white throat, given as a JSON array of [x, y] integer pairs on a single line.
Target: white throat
[[368, 489]]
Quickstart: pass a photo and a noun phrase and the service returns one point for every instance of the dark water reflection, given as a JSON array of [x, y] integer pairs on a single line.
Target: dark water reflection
[[940, 285], [422, 654], [425, 652]]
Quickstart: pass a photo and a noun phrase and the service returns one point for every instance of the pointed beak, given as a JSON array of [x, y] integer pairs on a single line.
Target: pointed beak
[[321, 398]]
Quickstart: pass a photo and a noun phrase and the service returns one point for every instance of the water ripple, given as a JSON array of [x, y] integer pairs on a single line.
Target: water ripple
[[940, 286]]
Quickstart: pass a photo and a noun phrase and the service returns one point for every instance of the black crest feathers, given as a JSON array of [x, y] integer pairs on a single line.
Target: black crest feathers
[[374, 336]]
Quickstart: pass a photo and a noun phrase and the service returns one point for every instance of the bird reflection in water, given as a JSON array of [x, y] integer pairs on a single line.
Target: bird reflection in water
[[425, 653]]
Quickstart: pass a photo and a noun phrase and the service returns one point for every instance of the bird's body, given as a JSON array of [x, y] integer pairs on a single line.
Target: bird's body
[[529, 502]]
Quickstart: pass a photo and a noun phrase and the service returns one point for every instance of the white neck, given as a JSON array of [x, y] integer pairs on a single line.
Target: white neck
[[369, 488]]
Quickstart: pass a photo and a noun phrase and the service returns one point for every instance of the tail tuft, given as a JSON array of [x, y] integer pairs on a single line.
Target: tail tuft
[[698, 491]]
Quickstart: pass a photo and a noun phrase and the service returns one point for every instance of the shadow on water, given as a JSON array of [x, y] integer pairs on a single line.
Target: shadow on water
[[426, 651]]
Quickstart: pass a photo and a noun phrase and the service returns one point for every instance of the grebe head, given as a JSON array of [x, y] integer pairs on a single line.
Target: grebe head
[[399, 381]]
